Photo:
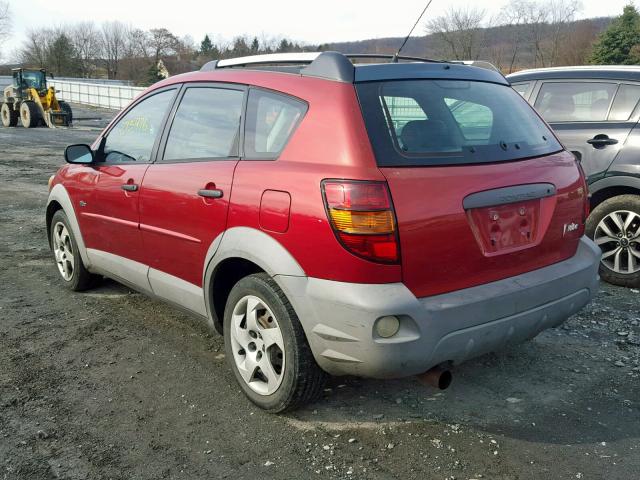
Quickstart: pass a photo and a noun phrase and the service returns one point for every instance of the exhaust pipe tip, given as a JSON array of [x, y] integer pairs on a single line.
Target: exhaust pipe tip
[[437, 377]]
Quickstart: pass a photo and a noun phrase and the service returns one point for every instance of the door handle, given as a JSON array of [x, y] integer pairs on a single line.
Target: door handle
[[601, 140], [129, 187], [210, 193]]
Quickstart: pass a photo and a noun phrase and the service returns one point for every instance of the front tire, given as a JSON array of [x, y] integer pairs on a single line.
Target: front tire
[[615, 226], [29, 114], [67, 256], [266, 347]]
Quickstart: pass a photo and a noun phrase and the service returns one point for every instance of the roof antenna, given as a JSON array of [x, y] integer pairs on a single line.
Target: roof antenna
[[395, 57]]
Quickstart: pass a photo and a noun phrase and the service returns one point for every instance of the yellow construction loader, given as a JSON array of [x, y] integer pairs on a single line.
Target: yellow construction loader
[[29, 99]]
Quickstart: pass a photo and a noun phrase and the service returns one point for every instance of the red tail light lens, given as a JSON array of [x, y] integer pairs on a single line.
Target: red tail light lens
[[362, 218]]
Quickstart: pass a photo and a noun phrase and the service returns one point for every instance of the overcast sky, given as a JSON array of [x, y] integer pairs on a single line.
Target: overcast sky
[[302, 20]]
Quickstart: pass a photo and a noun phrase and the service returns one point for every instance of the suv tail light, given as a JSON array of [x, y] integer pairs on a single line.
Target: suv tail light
[[362, 217]]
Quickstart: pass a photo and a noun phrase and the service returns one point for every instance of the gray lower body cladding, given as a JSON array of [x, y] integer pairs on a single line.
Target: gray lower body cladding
[[339, 318]]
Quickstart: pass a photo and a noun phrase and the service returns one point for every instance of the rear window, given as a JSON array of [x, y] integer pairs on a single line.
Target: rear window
[[435, 122]]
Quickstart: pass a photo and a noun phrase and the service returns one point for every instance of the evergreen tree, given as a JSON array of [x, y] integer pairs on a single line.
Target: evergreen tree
[[620, 43], [255, 45], [284, 46], [206, 46]]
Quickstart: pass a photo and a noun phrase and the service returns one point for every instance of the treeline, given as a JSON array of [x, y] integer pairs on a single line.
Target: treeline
[[118, 51]]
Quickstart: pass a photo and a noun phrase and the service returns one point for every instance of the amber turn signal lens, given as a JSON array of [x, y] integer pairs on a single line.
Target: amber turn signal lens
[[349, 221]]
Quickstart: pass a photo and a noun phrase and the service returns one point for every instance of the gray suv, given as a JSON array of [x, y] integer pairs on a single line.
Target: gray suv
[[595, 113]]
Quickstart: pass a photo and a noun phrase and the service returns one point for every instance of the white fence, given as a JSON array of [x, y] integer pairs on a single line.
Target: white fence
[[97, 95]]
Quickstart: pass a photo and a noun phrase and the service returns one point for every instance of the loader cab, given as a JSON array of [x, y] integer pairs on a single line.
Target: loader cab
[[29, 78]]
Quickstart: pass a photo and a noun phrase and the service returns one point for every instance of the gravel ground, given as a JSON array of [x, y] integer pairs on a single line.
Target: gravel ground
[[110, 384]]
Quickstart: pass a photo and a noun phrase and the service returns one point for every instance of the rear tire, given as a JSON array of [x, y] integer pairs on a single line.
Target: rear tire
[[274, 378], [9, 115], [66, 108], [67, 256], [29, 114], [615, 226]]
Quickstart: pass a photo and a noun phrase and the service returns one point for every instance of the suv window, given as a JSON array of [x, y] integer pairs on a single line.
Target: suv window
[[132, 138], [521, 88], [575, 101], [206, 124], [450, 122], [625, 102], [271, 119]]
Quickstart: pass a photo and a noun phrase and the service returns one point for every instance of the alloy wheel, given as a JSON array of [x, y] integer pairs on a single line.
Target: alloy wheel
[[63, 250], [258, 345], [618, 235]]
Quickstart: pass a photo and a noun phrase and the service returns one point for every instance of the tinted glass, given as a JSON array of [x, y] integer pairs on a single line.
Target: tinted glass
[[271, 120], [206, 125], [521, 88], [624, 103], [575, 102], [426, 122], [132, 138]]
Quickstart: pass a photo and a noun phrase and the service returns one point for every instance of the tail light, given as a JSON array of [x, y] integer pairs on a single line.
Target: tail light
[[362, 217]]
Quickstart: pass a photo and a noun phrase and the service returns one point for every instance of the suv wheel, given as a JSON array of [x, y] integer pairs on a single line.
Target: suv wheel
[[266, 346], [615, 226], [66, 254]]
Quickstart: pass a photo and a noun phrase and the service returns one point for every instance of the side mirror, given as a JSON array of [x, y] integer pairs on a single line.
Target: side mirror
[[79, 153]]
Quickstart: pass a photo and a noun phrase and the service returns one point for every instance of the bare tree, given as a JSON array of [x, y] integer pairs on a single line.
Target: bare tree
[[35, 49], [5, 22], [561, 12], [460, 31], [114, 35], [576, 47], [86, 41], [514, 18], [161, 42], [545, 22]]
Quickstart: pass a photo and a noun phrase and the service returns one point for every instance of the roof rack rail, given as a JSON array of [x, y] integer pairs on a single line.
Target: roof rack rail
[[477, 63], [330, 65]]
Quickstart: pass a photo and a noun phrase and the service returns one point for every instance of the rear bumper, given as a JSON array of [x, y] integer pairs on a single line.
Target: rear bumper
[[338, 317]]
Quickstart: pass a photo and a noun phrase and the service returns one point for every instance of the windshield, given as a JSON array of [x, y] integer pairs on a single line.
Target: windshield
[[435, 122], [33, 80]]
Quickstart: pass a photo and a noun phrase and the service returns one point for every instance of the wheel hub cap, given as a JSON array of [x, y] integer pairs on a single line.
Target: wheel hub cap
[[258, 346], [63, 250], [618, 235]]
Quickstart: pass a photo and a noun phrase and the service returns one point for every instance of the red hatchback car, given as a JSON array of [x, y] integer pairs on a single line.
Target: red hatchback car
[[378, 219]]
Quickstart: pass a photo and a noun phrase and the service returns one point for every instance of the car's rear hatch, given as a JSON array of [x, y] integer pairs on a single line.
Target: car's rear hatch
[[481, 188]]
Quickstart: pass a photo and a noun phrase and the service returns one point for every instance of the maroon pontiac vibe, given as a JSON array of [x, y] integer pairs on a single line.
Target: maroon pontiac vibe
[[326, 216]]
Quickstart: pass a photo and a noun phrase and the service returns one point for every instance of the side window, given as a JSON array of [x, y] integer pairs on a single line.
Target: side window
[[521, 88], [271, 120], [475, 120], [132, 138], [625, 102], [206, 125], [575, 102]]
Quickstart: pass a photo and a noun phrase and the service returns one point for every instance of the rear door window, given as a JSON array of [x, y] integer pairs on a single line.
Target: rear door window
[[271, 120], [206, 125], [575, 101], [625, 102], [435, 122]]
